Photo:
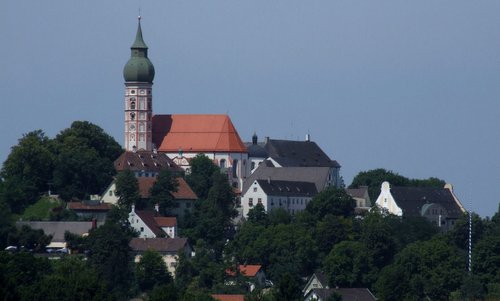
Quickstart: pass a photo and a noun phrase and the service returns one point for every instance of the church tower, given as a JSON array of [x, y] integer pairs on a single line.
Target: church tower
[[138, 73]]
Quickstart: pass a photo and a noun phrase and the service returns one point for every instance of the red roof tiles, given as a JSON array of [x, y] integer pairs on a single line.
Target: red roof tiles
[[184, 191], [196, 133], [249, 270], [229, 297]]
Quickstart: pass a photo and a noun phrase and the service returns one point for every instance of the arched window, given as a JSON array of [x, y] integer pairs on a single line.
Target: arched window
[[235, 168], [222, 163], [132, 105]]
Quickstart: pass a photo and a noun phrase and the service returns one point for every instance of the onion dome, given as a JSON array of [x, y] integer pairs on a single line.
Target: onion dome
[[139, 68]]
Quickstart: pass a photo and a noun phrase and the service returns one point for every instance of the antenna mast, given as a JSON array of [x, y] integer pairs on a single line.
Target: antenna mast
[[470, 241]]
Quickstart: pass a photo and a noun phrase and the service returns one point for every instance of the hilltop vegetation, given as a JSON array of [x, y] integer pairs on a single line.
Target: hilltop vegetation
[[398, 259]]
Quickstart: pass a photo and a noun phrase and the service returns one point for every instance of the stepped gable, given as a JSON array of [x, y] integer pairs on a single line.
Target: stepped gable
[[145, 161], [412, 199], [290, 153], [196, 133]]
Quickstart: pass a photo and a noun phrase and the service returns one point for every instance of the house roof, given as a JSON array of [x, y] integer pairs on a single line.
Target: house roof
[[164, 245], [289, 153], [57, 229], [166, 221], [348, 294], [249, 270], [196, 133], [360, 192], [145, 161], [288, 188], [148, 217], [412, 199], [184, 191], [316, 175], [82, 206], [228, 297]]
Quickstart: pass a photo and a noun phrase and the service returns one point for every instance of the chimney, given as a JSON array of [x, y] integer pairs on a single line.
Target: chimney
[[94, 223], [157, 208], [266, 139], [133, 208], [308, 137], [268, 180]]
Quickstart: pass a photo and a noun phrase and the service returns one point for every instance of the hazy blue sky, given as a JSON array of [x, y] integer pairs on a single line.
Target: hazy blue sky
[[410, 86]]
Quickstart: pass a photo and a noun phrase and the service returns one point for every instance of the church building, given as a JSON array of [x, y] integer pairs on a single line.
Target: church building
[[178, 136]]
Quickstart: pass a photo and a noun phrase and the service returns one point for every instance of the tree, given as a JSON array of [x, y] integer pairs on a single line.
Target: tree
[[258, 215], [332, 230], [375, 177], [127, 189], [27, 171], [109, 255], [428, 270], [161, 191], [151, 271], [349, 264], [164, 292], [72, 279], [200, 176], [333, 201], [84, 160]]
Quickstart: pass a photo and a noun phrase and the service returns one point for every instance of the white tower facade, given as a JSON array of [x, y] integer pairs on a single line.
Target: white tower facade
[[138, 74]]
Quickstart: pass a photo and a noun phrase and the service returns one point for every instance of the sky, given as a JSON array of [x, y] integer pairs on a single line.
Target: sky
[[409, 86]]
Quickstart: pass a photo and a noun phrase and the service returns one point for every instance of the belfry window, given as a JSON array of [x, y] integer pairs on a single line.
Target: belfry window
[[132, 116], [132, 105]]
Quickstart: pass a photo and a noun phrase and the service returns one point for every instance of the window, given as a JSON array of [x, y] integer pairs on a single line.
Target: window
[[142, 229], [188, 204], [250, 202], [235, 168], [111, 193], [255, 189], [132, 105], [259, 201], [222, 163]]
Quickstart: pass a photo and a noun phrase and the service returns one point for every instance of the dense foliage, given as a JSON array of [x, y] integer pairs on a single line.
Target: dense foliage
[[397, 258]]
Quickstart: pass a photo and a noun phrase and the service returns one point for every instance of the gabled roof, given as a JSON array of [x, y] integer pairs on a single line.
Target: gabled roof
[[145, 161], [162, 221], [289, 153], [164, 245], [249, 270], [228, 297], [316, 175], [57, 229], [360, 192], [196, 133], [184, 191], [288, 188], [148, 217], [412, 199]]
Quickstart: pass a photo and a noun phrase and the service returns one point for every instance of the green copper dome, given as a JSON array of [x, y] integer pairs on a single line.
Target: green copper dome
[[139, 68]]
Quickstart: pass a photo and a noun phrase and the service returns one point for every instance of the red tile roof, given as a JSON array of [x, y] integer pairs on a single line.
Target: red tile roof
[[229, 297], [166, 221], [145, 161], [184, 191], [196, 133], [248, 270]]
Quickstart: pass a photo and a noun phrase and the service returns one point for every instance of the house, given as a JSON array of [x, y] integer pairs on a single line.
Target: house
[[90, 209], [253, 273], [150, 224], [228, 297], [291, 153], [438, 205], [57, 230], [168, 248], [184, 197], [317, 280], [347, 294], [292, 196], [362, 198]]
